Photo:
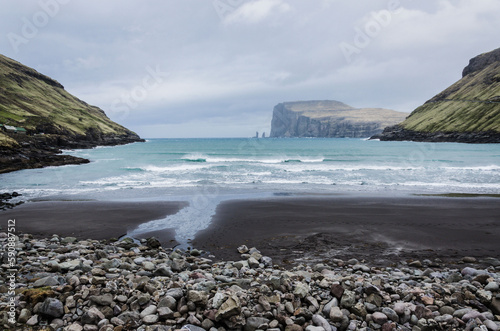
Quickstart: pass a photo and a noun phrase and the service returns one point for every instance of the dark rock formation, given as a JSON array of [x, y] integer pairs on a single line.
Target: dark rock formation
[[5, 197], [482, 61], [398, 133], [329, 119]]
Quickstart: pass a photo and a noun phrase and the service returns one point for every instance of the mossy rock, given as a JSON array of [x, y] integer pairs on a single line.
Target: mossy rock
[[36, 295]]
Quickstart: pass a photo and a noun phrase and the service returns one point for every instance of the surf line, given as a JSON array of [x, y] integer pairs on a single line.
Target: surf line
[[186, 222]]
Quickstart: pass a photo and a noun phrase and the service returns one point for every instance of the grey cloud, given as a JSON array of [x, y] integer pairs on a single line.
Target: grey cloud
[[234, 66]]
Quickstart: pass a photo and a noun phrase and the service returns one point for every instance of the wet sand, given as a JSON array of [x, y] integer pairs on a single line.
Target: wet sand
[[88, 219], [379, 230]]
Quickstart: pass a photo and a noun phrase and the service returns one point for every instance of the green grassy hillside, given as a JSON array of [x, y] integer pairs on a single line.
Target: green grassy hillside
[[470, 105], [38, 103]]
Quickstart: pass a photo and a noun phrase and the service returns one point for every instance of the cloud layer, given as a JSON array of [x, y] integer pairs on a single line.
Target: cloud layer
[[216, 68]]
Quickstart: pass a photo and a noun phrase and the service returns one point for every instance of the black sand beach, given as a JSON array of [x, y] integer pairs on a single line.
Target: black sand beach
[[88, 219], [379, 230], [375, 229]]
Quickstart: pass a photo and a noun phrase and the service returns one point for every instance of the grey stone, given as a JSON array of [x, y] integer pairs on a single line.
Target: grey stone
[[446, 310], [492, 286], [175, 293], [391, 314], [473, 314], [150, 319], [254, 323], [231, 307], [148, 266], [102, 300], [319, 320], [52, 307], [149, 310], [492, 326], [179, 265], [129, 316], [71, 265], [243, 249], [301, 290], [495, 305], [24, 316], [153, 243], [143, 299], [92, 316], [336, 314], [379, 318], [253, 263], [446, 318], [348, 299], [74, 327], [68, 240], [314, 328], [198, 297], [33, 320], [165, 313], [46, 281], [192, 327]]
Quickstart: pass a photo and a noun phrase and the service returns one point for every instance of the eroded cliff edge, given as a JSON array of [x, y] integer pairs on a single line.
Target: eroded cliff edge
[[330, 119]]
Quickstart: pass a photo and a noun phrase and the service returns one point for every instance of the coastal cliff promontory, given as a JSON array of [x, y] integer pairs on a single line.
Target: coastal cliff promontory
[[38, 117], [330, 119], [468, 111]]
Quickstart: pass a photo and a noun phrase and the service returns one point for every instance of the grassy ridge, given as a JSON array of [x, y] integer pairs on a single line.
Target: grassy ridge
[[36, 102], [465, 106]]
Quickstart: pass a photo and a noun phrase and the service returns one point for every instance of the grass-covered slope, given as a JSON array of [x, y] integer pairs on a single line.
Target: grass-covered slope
[[52, 118], [467, 111], [38, 103], [471, 104]]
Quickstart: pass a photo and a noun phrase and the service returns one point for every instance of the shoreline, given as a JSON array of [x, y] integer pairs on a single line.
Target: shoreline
[[97, 220], [293, 229], [71, 283], [381, 230]]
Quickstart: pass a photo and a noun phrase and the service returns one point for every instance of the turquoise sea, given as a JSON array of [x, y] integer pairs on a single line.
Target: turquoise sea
[[207, 171]]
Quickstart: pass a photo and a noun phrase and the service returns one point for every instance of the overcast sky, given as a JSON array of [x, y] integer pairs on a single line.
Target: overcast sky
[[216, 68]]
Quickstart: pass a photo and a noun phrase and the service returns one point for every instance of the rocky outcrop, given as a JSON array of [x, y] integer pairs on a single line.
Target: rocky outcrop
[[398, 133], [466, 112], [329, 119]]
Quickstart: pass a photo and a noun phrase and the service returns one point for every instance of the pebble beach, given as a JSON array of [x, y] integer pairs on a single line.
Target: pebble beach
[[63, 283]]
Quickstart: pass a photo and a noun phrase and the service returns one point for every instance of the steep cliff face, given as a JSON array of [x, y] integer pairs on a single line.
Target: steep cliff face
[[330, 119], [47, 118], [467, 111]]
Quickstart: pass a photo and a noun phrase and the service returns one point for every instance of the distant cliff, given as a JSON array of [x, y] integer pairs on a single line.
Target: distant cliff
[[330, 119], [38, 118], [468, 111]]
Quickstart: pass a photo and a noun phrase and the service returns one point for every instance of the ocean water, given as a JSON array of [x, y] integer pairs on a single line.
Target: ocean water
[[207, 171]]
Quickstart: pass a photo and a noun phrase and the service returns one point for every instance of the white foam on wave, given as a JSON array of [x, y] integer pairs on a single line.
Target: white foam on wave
[[186, 167], [474, 168], [188, 221]]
